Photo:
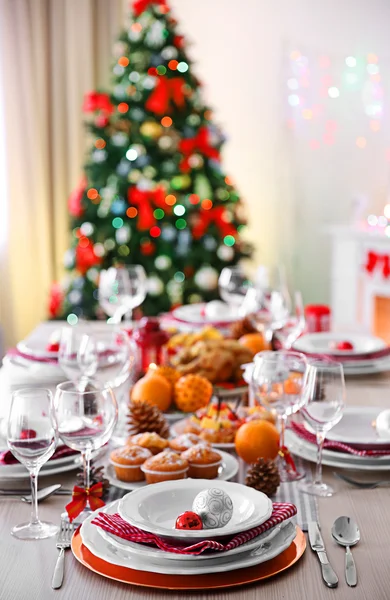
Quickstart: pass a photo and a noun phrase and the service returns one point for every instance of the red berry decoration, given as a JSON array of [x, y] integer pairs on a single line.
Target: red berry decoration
[[189, 520], [28, 434], [344, 346], [53, 347]]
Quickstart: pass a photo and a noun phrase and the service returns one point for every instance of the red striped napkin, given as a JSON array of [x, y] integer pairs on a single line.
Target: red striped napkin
[[117, 526], [303, 433]]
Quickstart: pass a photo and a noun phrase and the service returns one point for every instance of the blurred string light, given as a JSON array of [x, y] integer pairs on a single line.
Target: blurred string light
[[293, 100], [333, 92], [351, 62]]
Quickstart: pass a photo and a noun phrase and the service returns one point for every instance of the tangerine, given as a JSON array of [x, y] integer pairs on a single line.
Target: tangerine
[[254, 342], [257, 439], [153, 389], [192, 392]]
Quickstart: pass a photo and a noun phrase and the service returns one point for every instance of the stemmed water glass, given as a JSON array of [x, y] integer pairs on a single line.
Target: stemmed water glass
[[294, 326], [121, 289], [324, 394], [77, 354], [86, 418], [277, 386], [233, 286], [32, 437]]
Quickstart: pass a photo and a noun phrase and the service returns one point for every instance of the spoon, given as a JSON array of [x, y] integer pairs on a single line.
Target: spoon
[[346, 533]]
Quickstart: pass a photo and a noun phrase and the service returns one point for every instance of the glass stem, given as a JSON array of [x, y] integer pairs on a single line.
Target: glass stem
[[87, 468], [34, 492], [320, 446], [282, 425]]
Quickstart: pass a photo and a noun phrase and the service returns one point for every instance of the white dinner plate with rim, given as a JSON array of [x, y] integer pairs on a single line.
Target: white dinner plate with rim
[[101, 549], [376, 366], [320, 343], [176, 430], [155, 508], [356, 429], [157, 555], [229, 469], [307, 451], [194, 313]]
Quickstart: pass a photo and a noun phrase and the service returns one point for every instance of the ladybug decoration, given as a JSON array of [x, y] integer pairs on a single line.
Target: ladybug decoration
[[189, 520]]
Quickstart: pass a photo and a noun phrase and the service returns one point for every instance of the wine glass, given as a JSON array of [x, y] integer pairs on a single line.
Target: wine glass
[[77, 354], [121, 289], [86, 418], [324, 394], [233, 285], [32, 437], [294, 326], [277, 386]]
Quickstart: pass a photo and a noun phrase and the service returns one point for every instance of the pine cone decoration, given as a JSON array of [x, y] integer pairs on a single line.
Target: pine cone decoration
[[144, 417], [263, 475], [96, 476], [242, 327]]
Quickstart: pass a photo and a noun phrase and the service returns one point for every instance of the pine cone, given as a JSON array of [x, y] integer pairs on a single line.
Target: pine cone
[[96, 476], [144, 417], [263, 475], [242, 327]]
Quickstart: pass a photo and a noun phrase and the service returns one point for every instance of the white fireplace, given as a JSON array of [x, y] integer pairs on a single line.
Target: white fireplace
[[360, 281]]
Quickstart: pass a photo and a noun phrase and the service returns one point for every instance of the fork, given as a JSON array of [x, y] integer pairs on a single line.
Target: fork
[[363, 485], [63, 543]]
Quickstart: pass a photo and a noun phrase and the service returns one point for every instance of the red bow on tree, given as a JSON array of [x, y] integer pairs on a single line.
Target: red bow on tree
[[374, 260], [214, 215], [94, 101], [146, 201], [140, 5], [166, 92], [74, 203], [200, 143], [80, 497], [85, 255]]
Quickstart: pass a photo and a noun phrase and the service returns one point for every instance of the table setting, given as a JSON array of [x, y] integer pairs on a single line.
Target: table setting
[[177, 479]]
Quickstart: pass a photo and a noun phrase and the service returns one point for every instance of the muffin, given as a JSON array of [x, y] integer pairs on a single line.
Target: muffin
[[164, 467], [151, 441], [204, 462], [127, 462], [192, 427], [184, 441], [218, 436]]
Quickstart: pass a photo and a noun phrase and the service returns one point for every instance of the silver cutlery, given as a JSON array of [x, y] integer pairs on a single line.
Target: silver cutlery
[[363, 485], [63, 543], [317, 545], [346, 533]]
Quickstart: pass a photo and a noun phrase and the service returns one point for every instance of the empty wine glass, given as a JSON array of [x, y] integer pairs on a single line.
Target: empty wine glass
[[294, 326], [324, 394], [86, 419], [121, 289], [32, 437], [277, 386], [77, 354], [233, 285]]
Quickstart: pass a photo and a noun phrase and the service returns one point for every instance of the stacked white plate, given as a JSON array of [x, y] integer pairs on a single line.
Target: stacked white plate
[[356, 429], [369, 354], [155, 509], [52, 467]]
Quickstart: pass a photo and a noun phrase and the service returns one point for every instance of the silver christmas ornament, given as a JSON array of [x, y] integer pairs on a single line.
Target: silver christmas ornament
[[214, 506]]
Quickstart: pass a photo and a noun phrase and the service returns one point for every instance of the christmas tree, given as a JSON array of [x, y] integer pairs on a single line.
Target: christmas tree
[[154, 191]]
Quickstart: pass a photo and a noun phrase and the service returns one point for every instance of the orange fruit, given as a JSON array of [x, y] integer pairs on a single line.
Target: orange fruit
[[254, 342], [169, 373], [257, 439], [192, 392], [153, 389]]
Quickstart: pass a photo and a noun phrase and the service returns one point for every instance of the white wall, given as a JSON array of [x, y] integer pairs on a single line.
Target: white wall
[[240, 48]]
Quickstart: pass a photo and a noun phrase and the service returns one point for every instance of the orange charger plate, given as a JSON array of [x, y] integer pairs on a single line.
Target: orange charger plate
[[191, 582]]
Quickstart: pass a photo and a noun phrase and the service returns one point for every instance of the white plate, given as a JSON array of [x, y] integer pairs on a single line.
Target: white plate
[[194, 313], [376, 366], [157, 555], [319, 343], [308, 451], [355, 427], [229, 469], [19, 468], [155, 508], [100, 548]]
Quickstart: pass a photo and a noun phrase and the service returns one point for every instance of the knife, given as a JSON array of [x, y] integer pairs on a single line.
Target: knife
[[317, 545]]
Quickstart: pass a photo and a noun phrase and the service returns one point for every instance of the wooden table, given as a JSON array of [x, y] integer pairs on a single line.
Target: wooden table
[[26, 567]]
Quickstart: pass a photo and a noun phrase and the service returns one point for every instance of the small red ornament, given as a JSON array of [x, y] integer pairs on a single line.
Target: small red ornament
[[28, 434], [101, 121], [54, 347], [147, 248], [189, 520], [344, 346]]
